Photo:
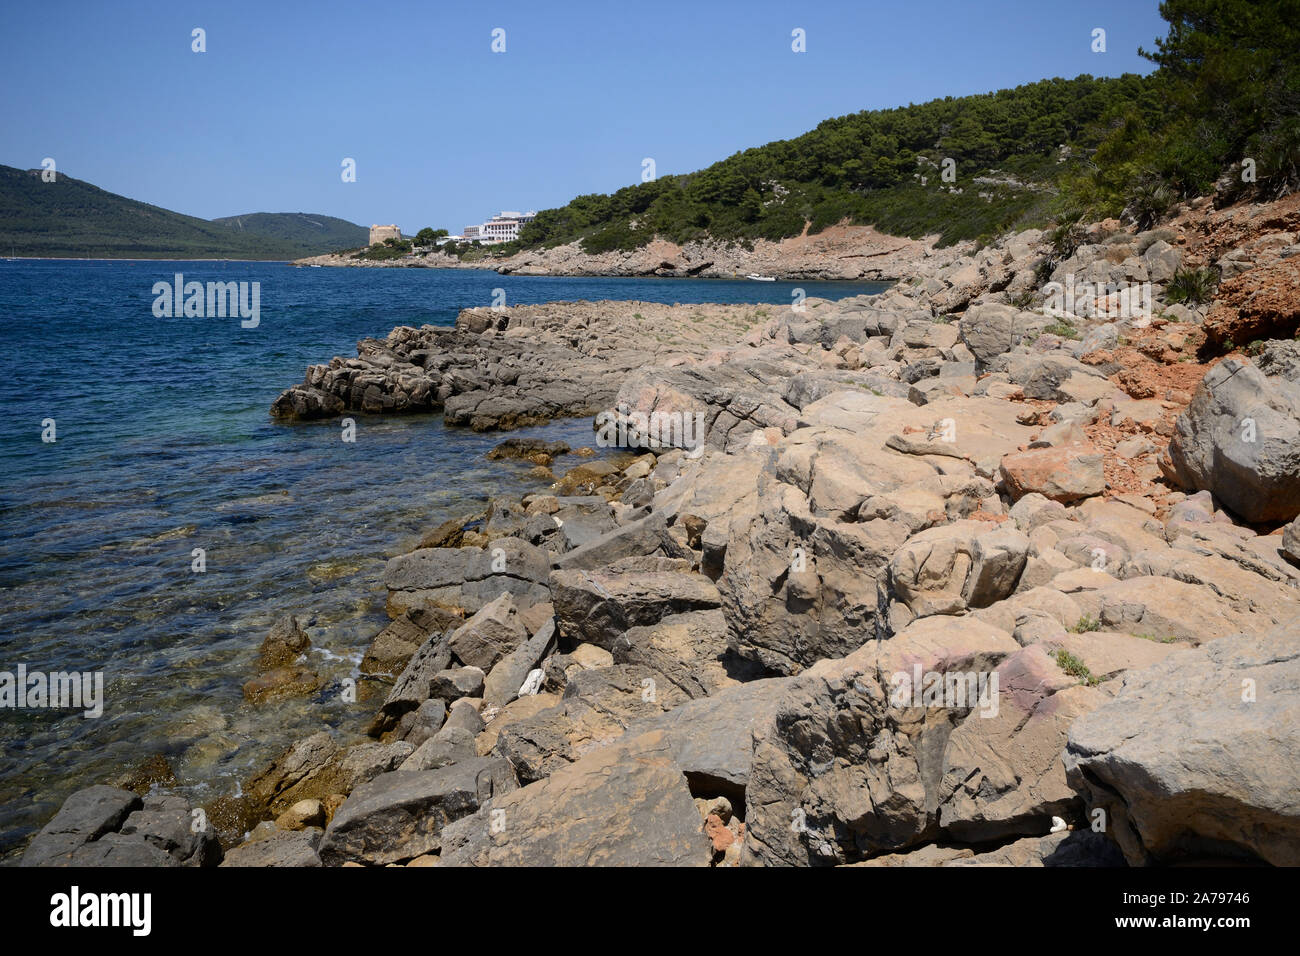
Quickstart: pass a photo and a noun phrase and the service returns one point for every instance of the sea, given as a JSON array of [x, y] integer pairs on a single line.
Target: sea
[[131, 445]]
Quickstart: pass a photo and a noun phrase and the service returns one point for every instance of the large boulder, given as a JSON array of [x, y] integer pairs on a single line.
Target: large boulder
[[467, 578], [503, 682], [1003, 774], [283, 848], [598, 707], [84, 817], [597, 607], [689, 650], [1066, 473], [946, 569], [1163, 608], [711, 738], [798, 588], [625, 805], [494, 632], [848, 765], [399, 815], [1198, 757], [991, 329], [104, 826], [1291, 541], [394, 646], [1240, 439]]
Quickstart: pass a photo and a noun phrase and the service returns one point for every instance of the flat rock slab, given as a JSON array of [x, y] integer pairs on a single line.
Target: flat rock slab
[[84, 817], [1198, 757], [626, 805], [286, 848]]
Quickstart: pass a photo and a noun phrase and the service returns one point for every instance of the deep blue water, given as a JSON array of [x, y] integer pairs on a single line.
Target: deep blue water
[[164, 444]]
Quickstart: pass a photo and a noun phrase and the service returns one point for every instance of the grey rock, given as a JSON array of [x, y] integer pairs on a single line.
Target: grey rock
[[399, 816], [597, 607], [84, 817], [503, 683], [492, 633], [626, 805], [284, 848], [1198, 757], [1240, 439]]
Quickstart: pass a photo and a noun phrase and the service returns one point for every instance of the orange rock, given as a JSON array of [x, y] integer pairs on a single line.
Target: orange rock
[[1066, 473], [1262, 303], [717, 831]]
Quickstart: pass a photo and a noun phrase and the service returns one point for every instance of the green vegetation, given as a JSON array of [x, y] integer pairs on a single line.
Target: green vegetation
[[388, 249], [1064, 329], [428, 236], [1075, 667], [882, 166], [1023, 300], [1085, 624], [68, 217], [1228, 95], [1168, 639], [317, 233], [1226, 89], [1192, 286]]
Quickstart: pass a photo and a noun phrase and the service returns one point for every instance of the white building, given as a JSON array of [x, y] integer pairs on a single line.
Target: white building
[[501, 228]]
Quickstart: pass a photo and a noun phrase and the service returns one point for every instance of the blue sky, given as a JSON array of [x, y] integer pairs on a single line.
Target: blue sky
[[445, 132]]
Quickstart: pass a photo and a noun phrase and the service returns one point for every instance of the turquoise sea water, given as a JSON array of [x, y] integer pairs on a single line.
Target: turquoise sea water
[[164, 444]]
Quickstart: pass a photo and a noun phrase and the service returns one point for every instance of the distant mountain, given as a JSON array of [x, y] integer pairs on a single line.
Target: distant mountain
[[68, 217], [322, 233]]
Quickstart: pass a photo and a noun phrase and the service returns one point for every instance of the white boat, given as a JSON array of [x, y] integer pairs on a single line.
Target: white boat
[[758, 278]]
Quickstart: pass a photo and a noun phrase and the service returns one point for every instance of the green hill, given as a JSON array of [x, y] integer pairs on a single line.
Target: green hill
[[321, 233], [1221, 112], [884, 167], [68, 217]]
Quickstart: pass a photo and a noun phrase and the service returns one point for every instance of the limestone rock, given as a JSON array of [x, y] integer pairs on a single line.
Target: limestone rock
[[399, 816], [1198, 757], [625, 805]]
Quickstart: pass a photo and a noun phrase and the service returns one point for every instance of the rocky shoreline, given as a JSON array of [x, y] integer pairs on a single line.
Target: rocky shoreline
[[840, 252], [927, 578]]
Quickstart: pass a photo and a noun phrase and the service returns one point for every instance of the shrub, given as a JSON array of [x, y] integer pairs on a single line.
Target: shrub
[[1064, 329], [1148, 202], [1192, 286], [1075, 667]]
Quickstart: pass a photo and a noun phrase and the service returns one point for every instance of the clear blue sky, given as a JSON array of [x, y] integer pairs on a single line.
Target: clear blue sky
[[445, 132]]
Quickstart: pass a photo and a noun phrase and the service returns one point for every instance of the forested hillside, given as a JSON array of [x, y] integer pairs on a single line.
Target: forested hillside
[[1226, 89]]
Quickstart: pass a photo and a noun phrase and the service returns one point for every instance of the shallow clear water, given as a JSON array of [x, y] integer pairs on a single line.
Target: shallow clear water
[[164, 444]]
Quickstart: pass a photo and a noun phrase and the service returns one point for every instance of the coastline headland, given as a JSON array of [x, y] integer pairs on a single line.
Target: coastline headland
[[840, 252]]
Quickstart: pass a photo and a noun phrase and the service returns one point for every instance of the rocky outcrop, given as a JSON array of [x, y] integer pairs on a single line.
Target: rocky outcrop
[[400, 816], [626, 805], [1260, 304], [1240, 440], [911, 590], [106, 826], [1198, 757]]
